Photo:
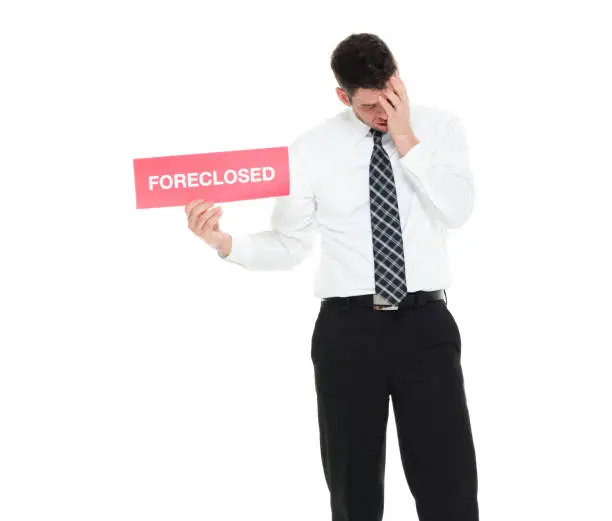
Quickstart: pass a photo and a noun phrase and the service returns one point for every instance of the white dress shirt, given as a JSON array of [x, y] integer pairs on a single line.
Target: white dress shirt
[[329, 193]]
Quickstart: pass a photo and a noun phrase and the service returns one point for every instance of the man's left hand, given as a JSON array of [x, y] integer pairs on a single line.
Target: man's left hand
[[395, 103]]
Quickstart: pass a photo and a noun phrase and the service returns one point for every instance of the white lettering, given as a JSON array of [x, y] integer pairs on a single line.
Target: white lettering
[[161, 181], [215, 176], [193, 182], [204, 183], [227, 177], [243, 175], [268, 169], [195, 179]]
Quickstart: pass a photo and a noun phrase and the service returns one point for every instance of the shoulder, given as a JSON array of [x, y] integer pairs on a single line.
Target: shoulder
[[322, 132], [435, 123], [430, 115], [317, 141]]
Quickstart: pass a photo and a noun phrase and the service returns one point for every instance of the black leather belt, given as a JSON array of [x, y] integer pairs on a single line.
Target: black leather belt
[[417, 298]]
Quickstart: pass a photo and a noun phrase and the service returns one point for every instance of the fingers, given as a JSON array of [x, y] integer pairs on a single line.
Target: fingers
[[208, 222], [392, 97], [398, 86], [395, 90], [199, 213], [197, 204], [393, 94], [197, 210], [386, 105], [191, 205], [202, 220]]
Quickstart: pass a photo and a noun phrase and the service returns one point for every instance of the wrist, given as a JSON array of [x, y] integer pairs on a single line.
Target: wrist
[[405, 143], [225, 246]]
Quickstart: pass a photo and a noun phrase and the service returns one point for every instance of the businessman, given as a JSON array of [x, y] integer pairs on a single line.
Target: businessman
[[382, 182]]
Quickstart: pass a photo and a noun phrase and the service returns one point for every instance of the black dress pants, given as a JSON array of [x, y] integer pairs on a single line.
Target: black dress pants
[[363, 357]]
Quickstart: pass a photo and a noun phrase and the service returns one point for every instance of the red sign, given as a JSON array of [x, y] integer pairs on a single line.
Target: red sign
[[217, 177]]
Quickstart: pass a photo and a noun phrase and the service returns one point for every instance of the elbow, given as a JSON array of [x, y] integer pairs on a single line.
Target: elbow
[[301, 253], [297, 249], [458, 217], [455, 215]]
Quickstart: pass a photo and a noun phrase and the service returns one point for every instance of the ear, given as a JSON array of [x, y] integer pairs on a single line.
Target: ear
[[343, 96]]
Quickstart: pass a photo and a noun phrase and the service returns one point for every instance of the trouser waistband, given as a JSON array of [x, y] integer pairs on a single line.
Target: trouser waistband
[[412, 299]]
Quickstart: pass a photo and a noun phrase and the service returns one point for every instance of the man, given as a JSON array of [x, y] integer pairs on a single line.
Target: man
[[382, 182]]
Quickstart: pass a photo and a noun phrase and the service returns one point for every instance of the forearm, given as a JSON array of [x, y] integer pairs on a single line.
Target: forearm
[[267, 250], [405, 143], [447, 193], [290, 236], [441, 176]]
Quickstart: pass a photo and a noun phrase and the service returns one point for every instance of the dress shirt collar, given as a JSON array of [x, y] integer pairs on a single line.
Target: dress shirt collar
[[361, 129]]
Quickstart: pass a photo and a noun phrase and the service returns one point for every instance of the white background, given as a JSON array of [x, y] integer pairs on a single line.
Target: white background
[[141, 377]]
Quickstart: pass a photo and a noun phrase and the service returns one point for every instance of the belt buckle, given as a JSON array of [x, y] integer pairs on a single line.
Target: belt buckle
[[381, 304], [385, 308]]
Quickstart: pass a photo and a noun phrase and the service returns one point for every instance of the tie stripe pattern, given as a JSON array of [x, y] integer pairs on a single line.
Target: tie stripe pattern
[[389, 266]]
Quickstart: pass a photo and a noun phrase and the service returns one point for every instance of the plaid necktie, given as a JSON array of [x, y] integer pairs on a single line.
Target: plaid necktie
[[389, 267]]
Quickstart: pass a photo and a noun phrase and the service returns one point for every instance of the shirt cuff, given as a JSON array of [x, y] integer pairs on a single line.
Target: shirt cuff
[[241, 250]]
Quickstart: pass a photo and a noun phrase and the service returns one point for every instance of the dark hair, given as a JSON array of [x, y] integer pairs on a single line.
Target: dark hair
[[362, 61]]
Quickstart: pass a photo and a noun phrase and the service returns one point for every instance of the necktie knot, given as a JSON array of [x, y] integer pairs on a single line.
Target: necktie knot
[[377, 134]]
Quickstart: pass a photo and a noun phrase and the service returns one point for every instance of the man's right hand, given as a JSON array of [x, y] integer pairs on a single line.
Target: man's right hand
[[203, 219]]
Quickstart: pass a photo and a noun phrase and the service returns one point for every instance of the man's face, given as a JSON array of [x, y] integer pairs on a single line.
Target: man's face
[[366, 106]]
